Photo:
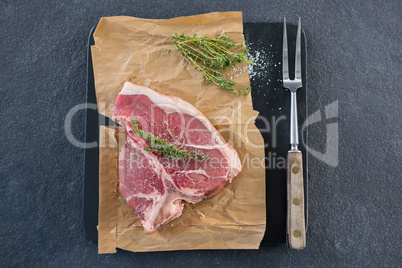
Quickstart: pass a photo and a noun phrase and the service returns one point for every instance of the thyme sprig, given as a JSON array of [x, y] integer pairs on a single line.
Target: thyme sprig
[[211, 56], [171, 151]]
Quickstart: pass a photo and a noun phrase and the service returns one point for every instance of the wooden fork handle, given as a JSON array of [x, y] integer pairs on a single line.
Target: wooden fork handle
[[296, 228]]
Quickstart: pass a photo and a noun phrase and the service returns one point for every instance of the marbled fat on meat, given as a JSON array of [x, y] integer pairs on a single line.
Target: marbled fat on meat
[[153, 185]]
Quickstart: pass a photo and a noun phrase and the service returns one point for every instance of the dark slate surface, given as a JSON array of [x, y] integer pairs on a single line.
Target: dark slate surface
[[354, 53]]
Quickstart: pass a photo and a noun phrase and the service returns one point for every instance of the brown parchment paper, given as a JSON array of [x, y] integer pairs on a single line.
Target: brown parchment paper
[[136, 50]]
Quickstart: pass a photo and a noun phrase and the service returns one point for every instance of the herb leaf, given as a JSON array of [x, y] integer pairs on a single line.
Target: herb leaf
[[171, 151], [209, 55]]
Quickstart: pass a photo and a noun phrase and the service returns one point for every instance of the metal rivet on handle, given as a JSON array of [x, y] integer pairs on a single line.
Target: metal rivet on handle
[[296, 233], [296, 201], [295, 170]]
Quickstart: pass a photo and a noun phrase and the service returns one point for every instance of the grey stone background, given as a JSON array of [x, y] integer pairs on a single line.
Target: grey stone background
[[354, 56]]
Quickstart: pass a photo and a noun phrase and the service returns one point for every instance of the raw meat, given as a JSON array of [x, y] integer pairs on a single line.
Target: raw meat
[[153, 185]]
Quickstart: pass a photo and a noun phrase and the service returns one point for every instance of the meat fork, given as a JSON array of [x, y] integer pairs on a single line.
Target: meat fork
[[296, 230]]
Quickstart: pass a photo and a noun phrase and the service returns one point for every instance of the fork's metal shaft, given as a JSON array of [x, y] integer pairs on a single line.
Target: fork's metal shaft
[[294, 133]]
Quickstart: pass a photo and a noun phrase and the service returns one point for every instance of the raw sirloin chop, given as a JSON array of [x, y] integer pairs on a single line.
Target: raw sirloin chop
[[153, 185]]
